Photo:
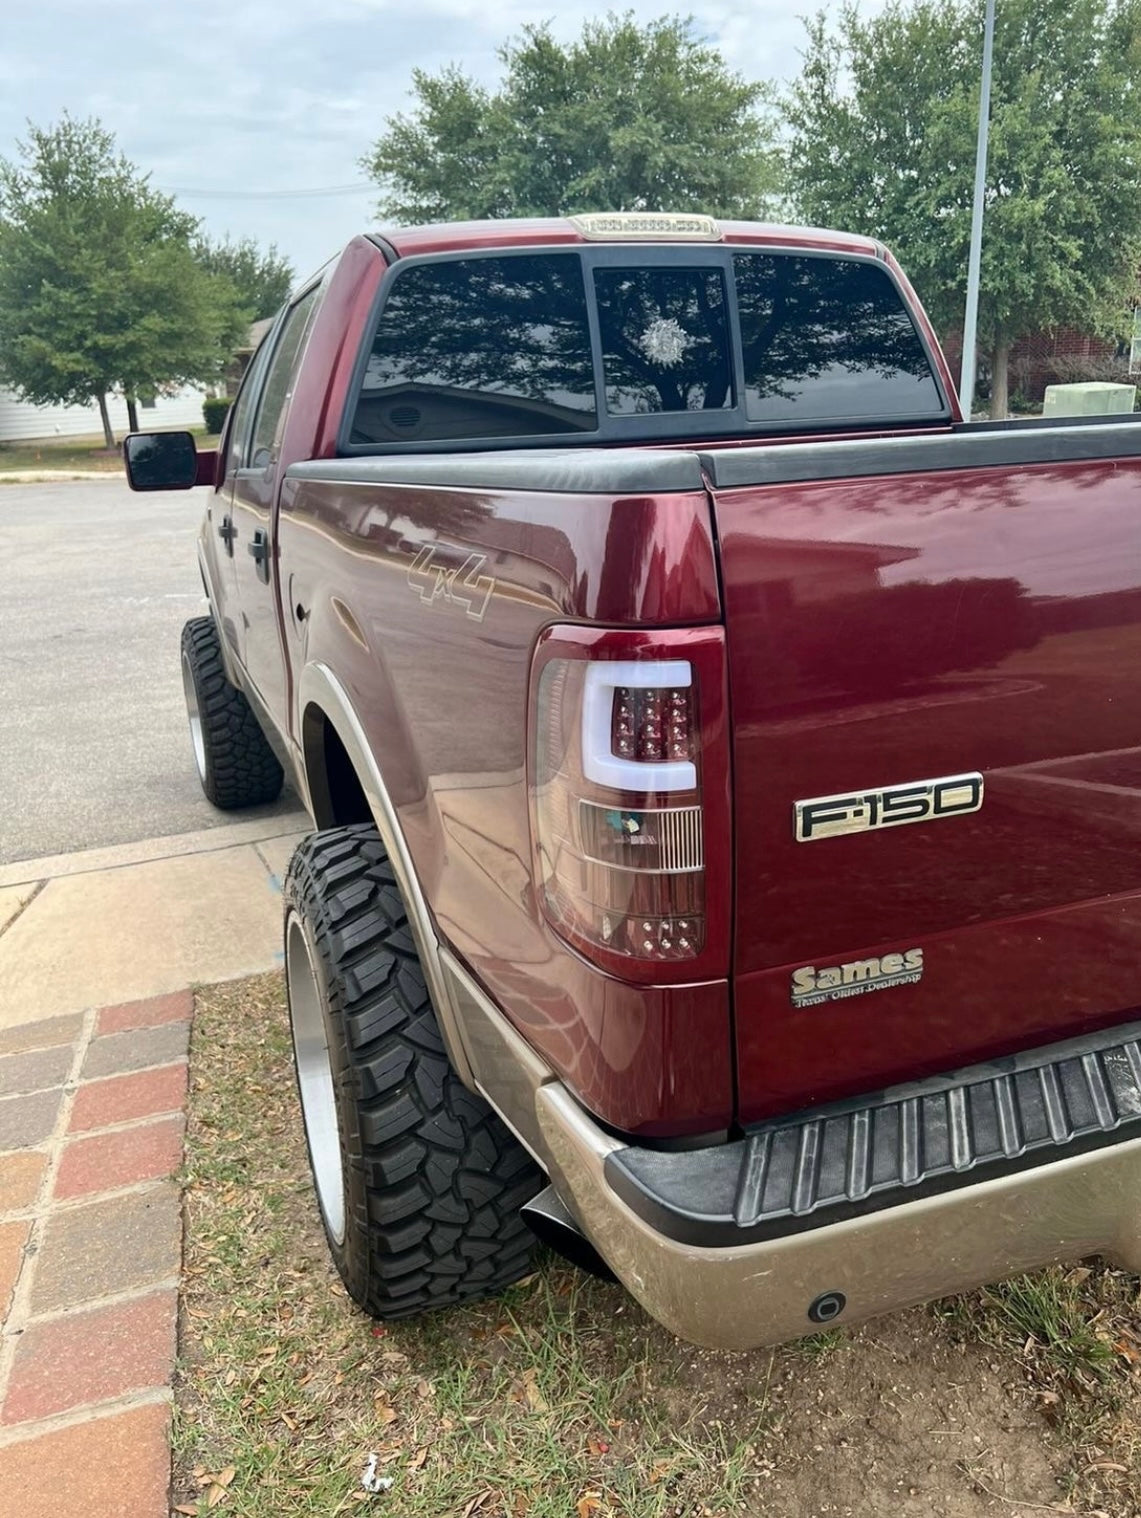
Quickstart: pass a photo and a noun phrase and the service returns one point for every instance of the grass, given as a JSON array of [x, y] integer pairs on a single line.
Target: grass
[[1076, 1332], [563, 1400], [83, 454], [550, 1401]]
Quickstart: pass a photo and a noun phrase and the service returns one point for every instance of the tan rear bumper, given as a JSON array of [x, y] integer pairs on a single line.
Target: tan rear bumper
[[738, 1298], [742, 1296]]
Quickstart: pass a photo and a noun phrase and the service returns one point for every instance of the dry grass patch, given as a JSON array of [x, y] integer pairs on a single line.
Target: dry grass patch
[[563, 1398]]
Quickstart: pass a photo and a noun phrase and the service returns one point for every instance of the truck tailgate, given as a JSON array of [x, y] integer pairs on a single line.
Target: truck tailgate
[[907, 611]]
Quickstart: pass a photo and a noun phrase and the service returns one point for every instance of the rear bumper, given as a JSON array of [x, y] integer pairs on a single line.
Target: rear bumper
[[763, 1293], [913, 1195]]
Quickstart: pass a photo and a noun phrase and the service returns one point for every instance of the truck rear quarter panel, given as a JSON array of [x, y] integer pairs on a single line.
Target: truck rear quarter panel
[[427, 602]]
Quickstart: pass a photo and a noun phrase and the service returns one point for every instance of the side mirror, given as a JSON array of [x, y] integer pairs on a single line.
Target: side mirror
[[161, 460]]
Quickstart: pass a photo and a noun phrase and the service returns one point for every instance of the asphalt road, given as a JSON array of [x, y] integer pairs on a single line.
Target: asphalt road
[[95, 584]]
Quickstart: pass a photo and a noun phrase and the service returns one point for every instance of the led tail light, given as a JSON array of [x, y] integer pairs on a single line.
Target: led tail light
[[622, 747]]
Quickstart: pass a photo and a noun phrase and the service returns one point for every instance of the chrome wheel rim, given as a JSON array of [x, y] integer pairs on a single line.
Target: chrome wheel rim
[[315, 1078], [194, 717]]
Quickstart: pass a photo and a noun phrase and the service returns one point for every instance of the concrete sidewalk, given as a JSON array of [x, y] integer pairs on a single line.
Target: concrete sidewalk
[[114, 925], [98, 951]]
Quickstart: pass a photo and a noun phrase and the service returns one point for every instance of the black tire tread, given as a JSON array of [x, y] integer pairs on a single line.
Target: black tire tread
[[444, 1178], [241, 768]]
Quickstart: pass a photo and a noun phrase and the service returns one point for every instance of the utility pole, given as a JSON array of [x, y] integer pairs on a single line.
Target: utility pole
[[974, 268]]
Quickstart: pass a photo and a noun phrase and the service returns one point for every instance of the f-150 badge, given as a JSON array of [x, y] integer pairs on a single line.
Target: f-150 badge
[[889, 807], [811, 986]]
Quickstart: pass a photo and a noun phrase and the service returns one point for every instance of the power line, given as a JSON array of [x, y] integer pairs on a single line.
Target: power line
[[327, 190]]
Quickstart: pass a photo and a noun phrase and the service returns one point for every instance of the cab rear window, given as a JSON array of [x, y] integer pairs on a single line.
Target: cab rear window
[[480, 348], [828, 340], [604, 346]]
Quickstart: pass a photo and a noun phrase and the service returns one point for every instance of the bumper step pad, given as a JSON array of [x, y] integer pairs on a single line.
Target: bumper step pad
[[819, 1167]]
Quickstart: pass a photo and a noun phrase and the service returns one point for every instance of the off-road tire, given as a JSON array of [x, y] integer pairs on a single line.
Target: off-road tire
[[235, 763], [431, 1178]]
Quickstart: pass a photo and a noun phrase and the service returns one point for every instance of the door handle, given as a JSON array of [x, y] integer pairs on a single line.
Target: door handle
[[258, 550], [228, 532]]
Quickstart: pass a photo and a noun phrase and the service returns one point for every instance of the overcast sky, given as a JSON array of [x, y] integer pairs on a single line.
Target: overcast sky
[[255, 99]]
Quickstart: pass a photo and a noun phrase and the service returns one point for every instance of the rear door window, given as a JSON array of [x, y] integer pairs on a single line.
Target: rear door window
[[828, 340], [282, 372], [480, 347], [665, 340]]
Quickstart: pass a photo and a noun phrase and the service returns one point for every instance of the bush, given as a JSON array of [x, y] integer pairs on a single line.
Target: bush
[[1111, 371], [214, 409]]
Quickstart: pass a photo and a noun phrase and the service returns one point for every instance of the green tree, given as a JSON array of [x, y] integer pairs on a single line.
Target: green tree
[[881, 139], [100, 287], [263, 278], [625, 118]]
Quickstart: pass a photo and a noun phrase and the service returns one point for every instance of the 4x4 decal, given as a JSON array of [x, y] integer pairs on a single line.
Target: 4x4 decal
[[462, 585]]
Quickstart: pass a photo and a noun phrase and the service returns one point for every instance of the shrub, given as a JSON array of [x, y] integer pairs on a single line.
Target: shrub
[[214, 409]]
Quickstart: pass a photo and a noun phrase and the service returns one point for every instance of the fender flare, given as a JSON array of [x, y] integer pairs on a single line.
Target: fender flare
[[319, 689]]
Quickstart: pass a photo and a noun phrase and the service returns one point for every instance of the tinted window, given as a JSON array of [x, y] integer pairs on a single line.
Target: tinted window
[[664, 340], [279, 378], [480, 347], [240, 415], [828, 340]]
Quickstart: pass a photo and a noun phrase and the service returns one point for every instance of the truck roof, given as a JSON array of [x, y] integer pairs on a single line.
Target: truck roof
[[462, 236]]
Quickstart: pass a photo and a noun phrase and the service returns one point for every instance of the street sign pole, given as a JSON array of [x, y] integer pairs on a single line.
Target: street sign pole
[[974, 268]]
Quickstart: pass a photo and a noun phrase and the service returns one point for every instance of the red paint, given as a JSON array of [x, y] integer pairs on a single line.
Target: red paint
[[902, 628], [443, 699]]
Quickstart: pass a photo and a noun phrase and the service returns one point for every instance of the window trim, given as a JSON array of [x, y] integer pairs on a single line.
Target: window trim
[[649, 427]]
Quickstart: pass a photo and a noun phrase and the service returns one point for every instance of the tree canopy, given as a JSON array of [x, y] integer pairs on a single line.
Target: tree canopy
[[262, 277], [625, 118], [101, 289], [881, 140]]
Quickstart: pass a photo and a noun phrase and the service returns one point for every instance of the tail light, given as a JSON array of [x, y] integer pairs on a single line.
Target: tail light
[[630, 798]]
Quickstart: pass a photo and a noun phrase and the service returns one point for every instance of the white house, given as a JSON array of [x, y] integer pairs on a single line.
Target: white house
[[22, 422]]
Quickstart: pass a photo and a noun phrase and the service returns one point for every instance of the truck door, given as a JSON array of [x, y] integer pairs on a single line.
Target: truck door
[[255, 485], [219, 537]]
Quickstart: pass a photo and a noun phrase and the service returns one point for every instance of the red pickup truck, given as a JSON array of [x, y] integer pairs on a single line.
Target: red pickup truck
[[725, 765]]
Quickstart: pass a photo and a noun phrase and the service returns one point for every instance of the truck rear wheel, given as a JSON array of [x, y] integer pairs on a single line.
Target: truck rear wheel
[[419, 1182], [235, 763]]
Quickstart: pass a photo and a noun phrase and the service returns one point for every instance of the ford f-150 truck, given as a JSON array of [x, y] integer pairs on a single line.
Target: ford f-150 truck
[[725, 768]]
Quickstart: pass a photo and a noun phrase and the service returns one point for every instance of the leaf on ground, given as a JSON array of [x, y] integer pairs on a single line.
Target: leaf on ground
[[385, 1414], [418, 1458], [588, 1504], [475, 1504]]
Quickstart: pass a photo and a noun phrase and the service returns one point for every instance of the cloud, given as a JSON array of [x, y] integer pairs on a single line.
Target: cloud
[[259, 97]]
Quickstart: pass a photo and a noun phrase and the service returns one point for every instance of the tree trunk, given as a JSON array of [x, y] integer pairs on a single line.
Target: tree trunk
[[104, 417], [132, 412], [1000, 377]]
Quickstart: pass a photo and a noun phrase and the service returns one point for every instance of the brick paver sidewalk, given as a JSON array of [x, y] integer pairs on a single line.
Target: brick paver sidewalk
[[91, 1124]]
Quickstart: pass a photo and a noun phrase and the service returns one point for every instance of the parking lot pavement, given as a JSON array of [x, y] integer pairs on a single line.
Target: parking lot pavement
[[93, 746]]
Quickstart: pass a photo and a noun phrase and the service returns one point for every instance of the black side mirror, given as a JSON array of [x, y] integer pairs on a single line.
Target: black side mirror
[[161, 460]]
